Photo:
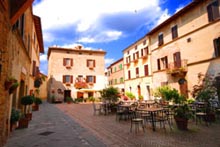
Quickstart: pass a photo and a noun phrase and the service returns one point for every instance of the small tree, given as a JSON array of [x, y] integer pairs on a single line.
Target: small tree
[[110, 94]]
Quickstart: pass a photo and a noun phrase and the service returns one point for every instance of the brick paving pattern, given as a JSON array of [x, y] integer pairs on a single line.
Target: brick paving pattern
[[117, 134], [74, 125]]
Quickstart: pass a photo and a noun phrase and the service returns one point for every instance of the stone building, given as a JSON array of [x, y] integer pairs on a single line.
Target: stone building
[[76, 72], [115, 74], [17, 24], [137, 68], [186, 44]]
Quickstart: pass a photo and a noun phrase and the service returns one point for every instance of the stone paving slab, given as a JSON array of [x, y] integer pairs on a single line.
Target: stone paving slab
[[117, 134], [50, 127]]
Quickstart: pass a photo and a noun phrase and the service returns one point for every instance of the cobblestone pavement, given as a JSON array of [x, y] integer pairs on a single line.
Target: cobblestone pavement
[[117, 134], [50, 127]]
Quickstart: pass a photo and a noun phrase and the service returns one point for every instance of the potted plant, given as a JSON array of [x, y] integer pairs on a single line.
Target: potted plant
[[182, 111], [11, 84], [69, 100], [204, 92], [15, 116], [140, 98], [27, 101], [23, 122], [37, 102]]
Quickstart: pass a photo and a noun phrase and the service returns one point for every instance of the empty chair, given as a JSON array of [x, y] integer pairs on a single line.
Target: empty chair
[[137, 122], [163, 117], [96, 108]]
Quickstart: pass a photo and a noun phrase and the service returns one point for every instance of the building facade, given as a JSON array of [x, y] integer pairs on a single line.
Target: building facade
[[76, 73], [17, 24], [137, 68], [186, 44], [115, 74]]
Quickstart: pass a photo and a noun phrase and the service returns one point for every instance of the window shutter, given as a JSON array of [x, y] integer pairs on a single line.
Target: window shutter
[[158, 64], [64, 61], [94, 79], [87, 79], [129, 74], [64, 79], [93, 63], [146, 70], [166, 62], [142, 52], [215, 10], [71, 79], [87, 63], [146, 50], [217, 46], [133, 56], [71, 60], [34, 68]]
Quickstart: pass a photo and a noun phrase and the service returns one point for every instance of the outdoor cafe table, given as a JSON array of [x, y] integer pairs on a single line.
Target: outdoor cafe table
[[152, 111]]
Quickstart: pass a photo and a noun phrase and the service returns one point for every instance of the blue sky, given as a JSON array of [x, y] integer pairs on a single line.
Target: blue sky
[[111, 25]]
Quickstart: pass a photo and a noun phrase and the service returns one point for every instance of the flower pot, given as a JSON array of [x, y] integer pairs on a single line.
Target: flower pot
[[35, 107], [28, 116], [23, 123], [181, 123]]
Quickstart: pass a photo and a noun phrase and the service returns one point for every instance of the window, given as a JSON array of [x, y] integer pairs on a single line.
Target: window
[[90, 63], [91, 79], [134, 56], [213, 11], [174, 32], [144, 42], [137, 54], [217, 46], [164, 62], [34, 68], [115, 69], [67, 79], [121, 80], [80, 78], [137, 72], [135, 47], [146, 71], [160, 39], [120, 67], [115, 81], [68, 62], [129, 74], [128, 59], [177, 60]]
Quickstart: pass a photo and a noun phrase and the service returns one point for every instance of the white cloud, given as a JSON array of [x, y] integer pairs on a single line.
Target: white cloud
[[43, 57], [165, 15], [87, 18], [108, 61], [178, 9]]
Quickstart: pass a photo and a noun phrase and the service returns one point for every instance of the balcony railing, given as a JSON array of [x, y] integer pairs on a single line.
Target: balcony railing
[[179, 67]]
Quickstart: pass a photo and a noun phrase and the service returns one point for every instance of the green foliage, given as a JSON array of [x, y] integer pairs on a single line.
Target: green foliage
[[167, 93], [130, 95], [140, 97], [183, 111], [37, 100], [27, 100], [205, 89], [91, 99], [110, 94], [69, 99], [15, 115], [77, 100]]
